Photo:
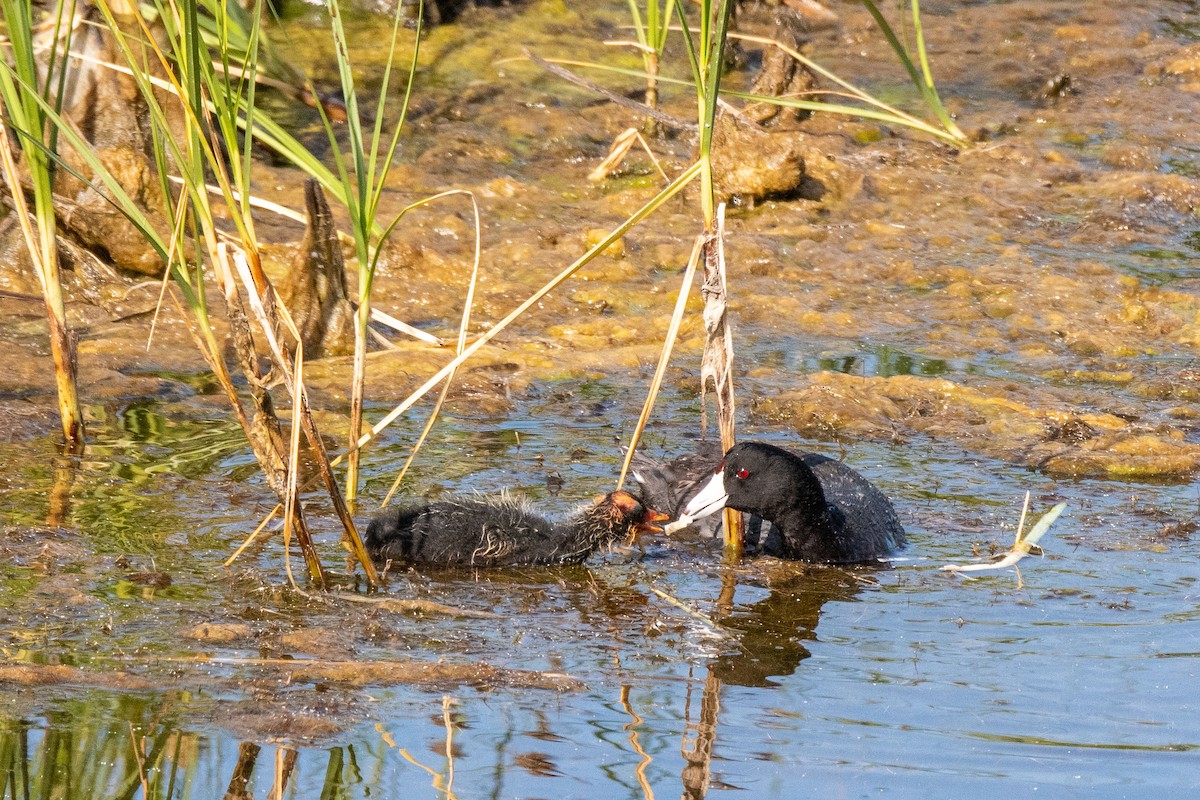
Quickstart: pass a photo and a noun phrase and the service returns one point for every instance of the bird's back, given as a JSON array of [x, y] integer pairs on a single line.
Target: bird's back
[[863, 518], [479, 531]]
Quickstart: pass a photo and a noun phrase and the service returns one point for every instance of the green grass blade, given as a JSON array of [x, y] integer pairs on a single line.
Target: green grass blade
[[689, 44], [888, 116], [641, 29], [924, 84], [897, 46], [929, 89], [714, 64], [389, 159]]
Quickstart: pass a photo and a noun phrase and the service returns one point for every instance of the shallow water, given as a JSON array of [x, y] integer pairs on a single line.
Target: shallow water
[[1050, 268], [906, 680]]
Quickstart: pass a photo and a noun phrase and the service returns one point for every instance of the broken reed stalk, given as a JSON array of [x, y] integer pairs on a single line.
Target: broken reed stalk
[[713, 627], [716, 367], [270, 314], [706, 55], [263, 432]]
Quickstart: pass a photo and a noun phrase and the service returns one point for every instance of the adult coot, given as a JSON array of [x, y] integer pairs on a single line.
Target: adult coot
[[824, 511], [503, 530]]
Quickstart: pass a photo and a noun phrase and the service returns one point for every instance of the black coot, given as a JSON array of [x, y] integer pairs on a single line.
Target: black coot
[[503, 530], [824, 511]]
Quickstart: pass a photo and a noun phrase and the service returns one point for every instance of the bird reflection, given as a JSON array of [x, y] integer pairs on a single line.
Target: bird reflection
[[771, 632]]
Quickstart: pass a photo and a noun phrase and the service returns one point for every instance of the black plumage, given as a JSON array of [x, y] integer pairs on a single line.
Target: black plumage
[[823, 510], [503, 530], [669, 485]]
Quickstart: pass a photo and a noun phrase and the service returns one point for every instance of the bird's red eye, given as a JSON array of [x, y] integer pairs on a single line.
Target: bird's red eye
[[743, 473]]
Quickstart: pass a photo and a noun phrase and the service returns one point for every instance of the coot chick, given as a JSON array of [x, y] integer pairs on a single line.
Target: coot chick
[[503, 530], [824, 510]]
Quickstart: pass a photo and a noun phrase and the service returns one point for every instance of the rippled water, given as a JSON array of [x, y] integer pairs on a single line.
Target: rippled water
[[1074, 679]]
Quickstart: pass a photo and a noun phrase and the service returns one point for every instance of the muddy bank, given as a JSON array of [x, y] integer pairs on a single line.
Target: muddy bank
[[1040, 430], [1052, 257]]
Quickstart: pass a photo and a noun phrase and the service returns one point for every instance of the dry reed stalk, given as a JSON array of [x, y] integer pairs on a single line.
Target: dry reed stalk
[[619, 150], [403, 327], [662, 197], [463, 327], [664, 357], [708, 622], [253, 536], [270, 317], [43, 253], [263, 432], [268, 457], [292, 495], [717, 363]]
